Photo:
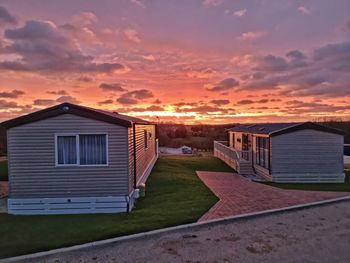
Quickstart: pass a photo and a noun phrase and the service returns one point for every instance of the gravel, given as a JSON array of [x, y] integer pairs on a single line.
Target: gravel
[[317, 234]]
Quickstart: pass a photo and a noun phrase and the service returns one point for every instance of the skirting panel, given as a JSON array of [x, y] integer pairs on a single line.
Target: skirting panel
[[308, 178], [74, 205], [148, 171]]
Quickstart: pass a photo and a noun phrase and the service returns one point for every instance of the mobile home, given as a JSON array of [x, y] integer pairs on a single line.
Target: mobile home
[[71, 159], [285, 152]]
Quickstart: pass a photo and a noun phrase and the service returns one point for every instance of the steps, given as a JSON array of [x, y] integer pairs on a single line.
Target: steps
[[246, 168]]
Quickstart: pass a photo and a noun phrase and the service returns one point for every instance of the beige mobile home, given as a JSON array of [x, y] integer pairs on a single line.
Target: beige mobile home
[[285, 152], [72, 159]]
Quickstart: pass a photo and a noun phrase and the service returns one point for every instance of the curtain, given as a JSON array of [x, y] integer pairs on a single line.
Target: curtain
[[93, 149], [66, 150]]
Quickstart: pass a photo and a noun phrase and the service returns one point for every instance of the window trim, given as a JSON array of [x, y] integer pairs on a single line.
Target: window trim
[[145, 139], [78, 149]]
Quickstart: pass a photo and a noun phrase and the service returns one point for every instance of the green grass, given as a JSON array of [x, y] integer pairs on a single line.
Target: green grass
[[345, 187], [3, 171], [175, 195]]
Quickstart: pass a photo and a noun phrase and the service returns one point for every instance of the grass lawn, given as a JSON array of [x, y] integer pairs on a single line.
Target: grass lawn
[[3, 171], [175, 196], [345, 187]]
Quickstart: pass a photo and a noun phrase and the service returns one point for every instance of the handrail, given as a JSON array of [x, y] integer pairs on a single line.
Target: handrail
[[231, 152]]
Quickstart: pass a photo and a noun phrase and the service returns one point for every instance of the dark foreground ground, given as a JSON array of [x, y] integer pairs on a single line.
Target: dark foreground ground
[[319, 234]]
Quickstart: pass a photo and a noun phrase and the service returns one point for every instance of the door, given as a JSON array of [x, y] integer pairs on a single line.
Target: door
[[245, 147]]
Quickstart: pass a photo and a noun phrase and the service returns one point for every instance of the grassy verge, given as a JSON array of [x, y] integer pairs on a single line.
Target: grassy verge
[[345, 187], [3, 171], [175, 195]]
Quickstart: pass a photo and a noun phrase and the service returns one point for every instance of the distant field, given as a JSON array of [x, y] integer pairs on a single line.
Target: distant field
[[194, 142]]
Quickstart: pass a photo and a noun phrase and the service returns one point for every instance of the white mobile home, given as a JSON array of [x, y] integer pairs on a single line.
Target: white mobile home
[[73, 159], [285, 152]]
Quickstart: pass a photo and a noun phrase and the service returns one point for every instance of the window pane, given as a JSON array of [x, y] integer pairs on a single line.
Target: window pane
[[93, 149], [66, 150]]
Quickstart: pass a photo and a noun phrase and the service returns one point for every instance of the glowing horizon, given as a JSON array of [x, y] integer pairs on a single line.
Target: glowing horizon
[[210, 62]]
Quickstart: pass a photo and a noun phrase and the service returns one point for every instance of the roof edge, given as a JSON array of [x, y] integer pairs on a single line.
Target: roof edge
[[307, 125], [64, 108]]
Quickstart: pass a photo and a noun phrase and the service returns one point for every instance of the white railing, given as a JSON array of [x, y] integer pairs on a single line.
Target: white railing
[[230, 155]]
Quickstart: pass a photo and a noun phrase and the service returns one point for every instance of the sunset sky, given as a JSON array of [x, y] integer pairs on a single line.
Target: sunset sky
[[193, 61]]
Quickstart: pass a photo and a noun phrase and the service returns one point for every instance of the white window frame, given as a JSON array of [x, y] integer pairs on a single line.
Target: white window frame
[[78, 149]]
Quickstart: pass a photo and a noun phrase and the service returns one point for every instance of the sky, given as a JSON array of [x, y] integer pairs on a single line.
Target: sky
[[183, 61]]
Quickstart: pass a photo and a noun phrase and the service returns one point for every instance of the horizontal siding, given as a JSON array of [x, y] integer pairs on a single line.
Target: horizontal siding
[[144, 156], [33, 173], [131, 158], [307, 152]]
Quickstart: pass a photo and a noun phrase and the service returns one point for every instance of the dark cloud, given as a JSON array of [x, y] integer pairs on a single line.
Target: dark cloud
[[85, 79], [336, 56], [42, 46], [323, 73], [4, 104], [336, 50], [186, 104], [245, 102], [6, 17], [204, 109], [262, 101], [140, 94], [62, 99], [105, 102], [126, 100], [155, 108], [44, 102], [296, 54], [225, 84], [139, 109], [300, 107], [59, 92], [271, 63], [220, 102], [258, 75], [69, 99], [133, 97], [111, 87], [11, 94], [157, 101]]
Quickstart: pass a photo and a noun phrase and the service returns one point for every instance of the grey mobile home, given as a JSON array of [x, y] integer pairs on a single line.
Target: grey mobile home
[[73, 159], [285, 152]]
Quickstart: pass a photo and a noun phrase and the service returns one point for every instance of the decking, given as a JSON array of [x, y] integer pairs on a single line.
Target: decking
[[241, 161]]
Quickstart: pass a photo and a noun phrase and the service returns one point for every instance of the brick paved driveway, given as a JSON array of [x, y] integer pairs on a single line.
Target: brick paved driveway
[[239, 195]]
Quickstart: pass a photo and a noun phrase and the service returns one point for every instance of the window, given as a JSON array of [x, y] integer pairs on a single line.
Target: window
[[82, 149], [92, 149], [66, 150], [262, 151], [145, 139]]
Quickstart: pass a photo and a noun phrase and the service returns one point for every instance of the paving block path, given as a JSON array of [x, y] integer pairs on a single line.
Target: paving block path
[[239, 195]]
